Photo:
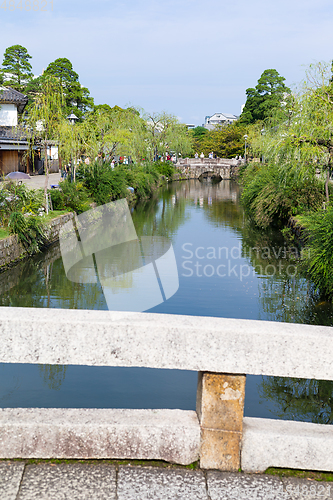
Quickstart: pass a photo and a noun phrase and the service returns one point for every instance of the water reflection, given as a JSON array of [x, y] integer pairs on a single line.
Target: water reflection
[[299, 399], [204, 217], [53, 375]]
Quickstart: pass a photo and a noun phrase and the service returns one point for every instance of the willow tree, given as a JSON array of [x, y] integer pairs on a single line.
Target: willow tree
[[301, 143], [114, 131], [45, 117], [164, 132], [71, 142]]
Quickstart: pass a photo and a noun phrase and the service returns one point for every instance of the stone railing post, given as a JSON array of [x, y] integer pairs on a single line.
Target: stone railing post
[[220, 408]]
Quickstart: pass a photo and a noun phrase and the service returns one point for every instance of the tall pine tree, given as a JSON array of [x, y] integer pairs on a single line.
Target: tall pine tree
[[16, 67], [265, 98], [77, 98]]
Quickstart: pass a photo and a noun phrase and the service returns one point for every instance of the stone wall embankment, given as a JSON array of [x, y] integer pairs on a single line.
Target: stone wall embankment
[[12, 250]]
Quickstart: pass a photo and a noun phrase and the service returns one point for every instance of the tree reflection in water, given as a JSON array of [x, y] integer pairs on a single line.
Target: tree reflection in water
[[52, 375], [300, 399]]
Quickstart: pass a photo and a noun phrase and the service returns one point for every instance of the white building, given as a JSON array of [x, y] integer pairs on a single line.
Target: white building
[[218, 119], [12, 144]]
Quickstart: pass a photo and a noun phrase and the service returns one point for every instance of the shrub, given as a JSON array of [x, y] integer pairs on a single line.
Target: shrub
[[318, 253], [71, 195], [30, 231], [270, 200], [103, 183], [165, 168]]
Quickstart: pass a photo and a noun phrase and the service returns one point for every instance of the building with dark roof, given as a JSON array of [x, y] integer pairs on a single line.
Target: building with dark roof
[[14, 144]]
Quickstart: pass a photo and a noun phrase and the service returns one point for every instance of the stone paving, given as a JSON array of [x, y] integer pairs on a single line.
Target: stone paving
[[38, 181], [104, 481]]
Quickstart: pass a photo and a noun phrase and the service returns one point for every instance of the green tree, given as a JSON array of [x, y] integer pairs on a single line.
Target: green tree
[[114, 131], [164, 132], [33, 88], [226, 141], [71, 142], [77, 98], [317, 254], [298, 154], [198, 134], [302, 144], [17, 67], [45, 117], [268, 96]]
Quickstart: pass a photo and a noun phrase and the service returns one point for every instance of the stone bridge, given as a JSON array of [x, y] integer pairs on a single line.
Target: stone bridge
[[222, 350], [209, 167]]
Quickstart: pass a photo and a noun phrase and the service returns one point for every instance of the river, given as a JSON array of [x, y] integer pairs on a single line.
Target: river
[[226, 268]]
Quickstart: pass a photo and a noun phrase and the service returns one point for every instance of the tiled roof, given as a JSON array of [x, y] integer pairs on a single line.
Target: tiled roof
[[12, 133], [12, 96]]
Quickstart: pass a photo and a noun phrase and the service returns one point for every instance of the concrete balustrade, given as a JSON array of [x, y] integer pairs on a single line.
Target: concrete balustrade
[[222, 351]]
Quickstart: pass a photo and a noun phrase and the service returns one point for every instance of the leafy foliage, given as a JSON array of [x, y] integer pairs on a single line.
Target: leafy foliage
[[76, 96], [267, 97], [114, 131], [165, 168], [72, 195], [226, 141], [298, 155], [17, 198], [30, 231], [318, 254], [45, 116], [16, 64], [271, 201], [104, 183], [164, 132]]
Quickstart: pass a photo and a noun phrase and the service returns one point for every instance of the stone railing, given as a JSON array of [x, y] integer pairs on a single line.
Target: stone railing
[[221, 350], [208, 161]]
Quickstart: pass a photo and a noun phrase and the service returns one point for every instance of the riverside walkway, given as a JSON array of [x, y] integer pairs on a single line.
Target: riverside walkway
[[38, 181], [82, 481]]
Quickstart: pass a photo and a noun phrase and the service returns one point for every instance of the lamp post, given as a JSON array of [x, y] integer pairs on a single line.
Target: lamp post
[[72, 119], [262, 134], [245, 137]]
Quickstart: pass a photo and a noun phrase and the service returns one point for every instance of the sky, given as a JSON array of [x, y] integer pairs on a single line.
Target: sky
[[189, 58]]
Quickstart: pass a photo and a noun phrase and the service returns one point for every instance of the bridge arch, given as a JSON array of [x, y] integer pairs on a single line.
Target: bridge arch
[[209, 174], [194, 168]]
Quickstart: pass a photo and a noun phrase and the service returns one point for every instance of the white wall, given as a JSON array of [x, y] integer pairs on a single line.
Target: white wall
[[8, 115], [54, 152]]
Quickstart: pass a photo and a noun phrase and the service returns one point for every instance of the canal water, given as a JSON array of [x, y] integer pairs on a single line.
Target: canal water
[[226, 268]]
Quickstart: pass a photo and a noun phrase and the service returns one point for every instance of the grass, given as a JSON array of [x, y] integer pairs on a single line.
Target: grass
[[301, 474], [4, 233], [55, 213], [272, 471]]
